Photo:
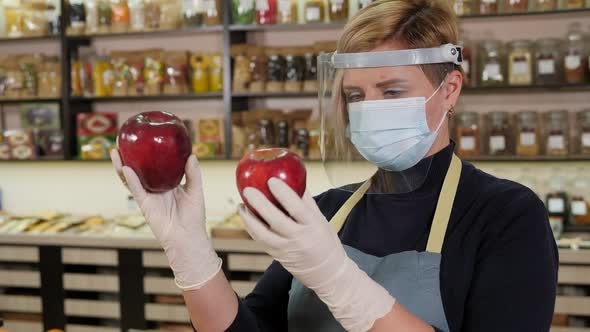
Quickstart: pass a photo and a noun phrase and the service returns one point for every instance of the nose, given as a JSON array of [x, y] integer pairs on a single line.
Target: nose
[[373, 94]]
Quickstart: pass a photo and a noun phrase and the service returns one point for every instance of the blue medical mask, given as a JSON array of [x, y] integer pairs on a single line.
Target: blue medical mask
[[392, 134]]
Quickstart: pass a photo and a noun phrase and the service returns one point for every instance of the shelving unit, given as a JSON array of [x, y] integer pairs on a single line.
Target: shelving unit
[[232, 102]]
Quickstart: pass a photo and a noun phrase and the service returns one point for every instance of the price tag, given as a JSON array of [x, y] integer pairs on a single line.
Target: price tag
[[556, 205], [556, 142], [546, 67], [467, 143], [262, 5], [579, 208], [573, 62], [586, 140], [520, 67], [312, 14], [528, 139], [285, 6], [497, 143], [465, 66], [493, 70]]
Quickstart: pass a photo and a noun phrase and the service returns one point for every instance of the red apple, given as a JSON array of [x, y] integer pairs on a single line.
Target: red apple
[[257, 167], [156, 146]]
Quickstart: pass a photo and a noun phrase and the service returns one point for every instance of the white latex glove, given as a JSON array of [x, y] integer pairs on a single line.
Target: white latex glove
[[177, 219], [305, 244]]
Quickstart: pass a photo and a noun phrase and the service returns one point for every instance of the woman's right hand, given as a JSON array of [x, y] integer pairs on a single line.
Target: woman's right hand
[[177, 219]]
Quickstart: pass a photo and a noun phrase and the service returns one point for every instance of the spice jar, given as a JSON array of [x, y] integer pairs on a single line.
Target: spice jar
[[276, 68], [338, 10], [266, 12], [301, 142], [258, 69], [212, 12], [557, 138], [310, 79], [491, 64], [287, 11], [467, 61], [283, 134], [462, 7], [500, 142], [548, 61], [580, 198], [76, 15], [583, 132], [527, 134], [575, 59], [193, 13], [243, 11], [545, 5], [295, 70], [467, 133], [105, 16], [266, 133], [516, 6], [488, 7], [520, 63], [557, 202], [314, 11]]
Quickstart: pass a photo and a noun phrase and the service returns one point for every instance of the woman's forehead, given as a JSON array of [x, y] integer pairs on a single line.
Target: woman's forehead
[[375, 76]]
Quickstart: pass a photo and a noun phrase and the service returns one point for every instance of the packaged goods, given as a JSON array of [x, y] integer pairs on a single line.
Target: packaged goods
[[120, 16], [175, 81], [199, 73], [40, 116], [153, 72], [21, 144], [243, 11]]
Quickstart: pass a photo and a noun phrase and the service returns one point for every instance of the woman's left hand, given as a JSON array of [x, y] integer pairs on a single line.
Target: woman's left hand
[[306, 246]]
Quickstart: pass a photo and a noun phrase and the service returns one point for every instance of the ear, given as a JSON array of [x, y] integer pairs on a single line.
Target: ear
[[452, 88]]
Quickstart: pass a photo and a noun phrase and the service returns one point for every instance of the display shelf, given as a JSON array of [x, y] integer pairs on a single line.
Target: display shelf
[[187, 96], [275, 94], [150, 33], [527, 14], [573, 158], [527, 89], [29, 100], [6, 40], [286, 27]]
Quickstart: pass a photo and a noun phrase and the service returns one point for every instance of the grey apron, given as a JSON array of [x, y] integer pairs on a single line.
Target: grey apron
[[411, 277]]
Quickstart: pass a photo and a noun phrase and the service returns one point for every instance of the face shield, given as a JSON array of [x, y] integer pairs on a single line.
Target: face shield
[[374, 125]]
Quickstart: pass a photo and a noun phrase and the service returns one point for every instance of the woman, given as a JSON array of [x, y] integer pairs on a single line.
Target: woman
[[429, 243]]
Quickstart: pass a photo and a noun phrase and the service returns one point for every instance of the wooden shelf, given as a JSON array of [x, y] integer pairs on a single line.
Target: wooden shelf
[[29, 100], [29, 39], [188, 96], [150, 33], [527, 14], [275, 94]]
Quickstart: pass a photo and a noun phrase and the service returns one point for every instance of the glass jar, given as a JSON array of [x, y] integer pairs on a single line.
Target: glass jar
[[575, 57], [516, 6], [491, 64], [266, 12], [545, 5], [287, 12], [556, 202], [258, 69], [216, 72], [338, 10], [295, 70], [76, 15], [548, 61], [583, 132], [527, 134], [466, 65], [212, 12], [276, 67], [557, 138], [520, 63], [500, 142], [580, 198], [468, 133], [364, 3], [243, 12], [314, 11], [266, 133], [241, 73], [488, 7], [120, 18], [105, 15], [462, 7], [310, 76], [283, 134]]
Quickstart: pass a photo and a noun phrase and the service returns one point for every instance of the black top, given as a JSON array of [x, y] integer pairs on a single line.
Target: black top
[[499, 259]]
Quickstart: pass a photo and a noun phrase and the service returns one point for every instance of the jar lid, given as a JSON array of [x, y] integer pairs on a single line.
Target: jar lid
[[528, 115], [557, 115], [520, 43]]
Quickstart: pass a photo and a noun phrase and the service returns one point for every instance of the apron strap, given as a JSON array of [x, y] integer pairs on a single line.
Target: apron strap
[[442, 213], [444, 207], [339, 218]]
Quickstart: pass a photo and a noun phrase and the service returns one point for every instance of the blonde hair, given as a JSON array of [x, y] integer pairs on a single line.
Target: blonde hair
[[411, 23]]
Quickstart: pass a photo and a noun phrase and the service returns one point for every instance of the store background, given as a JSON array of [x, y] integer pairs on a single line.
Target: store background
[[92, 188]]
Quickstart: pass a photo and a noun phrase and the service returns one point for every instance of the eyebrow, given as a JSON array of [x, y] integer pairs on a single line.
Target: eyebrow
[[379, 85]]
